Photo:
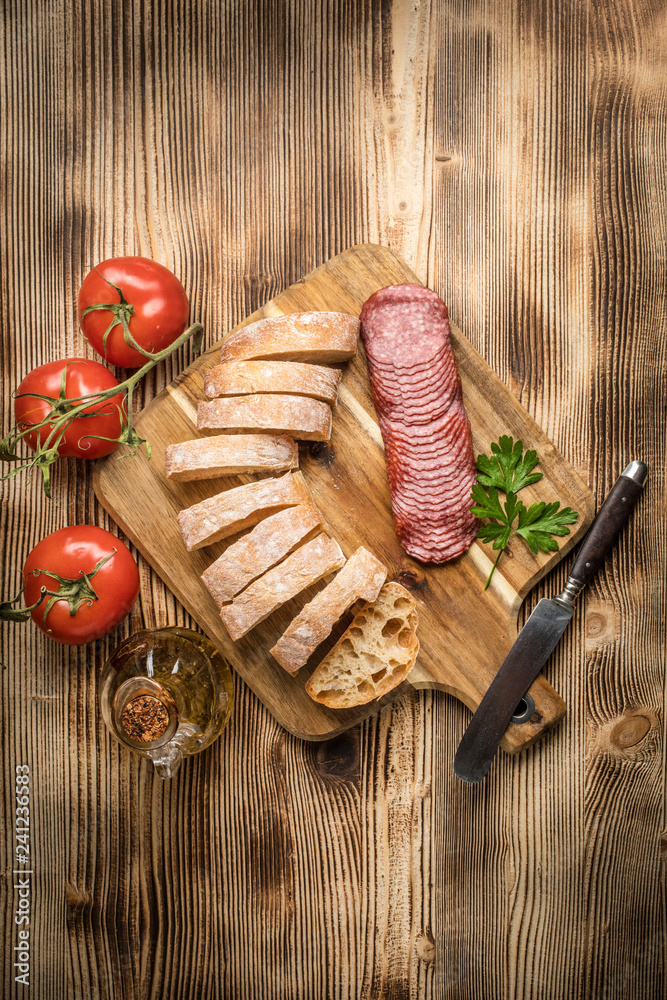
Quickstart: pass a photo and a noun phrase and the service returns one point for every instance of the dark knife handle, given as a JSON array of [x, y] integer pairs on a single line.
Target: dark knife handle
[[608, 523]]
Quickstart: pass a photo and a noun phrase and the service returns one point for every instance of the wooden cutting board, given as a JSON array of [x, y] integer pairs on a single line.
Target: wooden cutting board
[[464, 631]]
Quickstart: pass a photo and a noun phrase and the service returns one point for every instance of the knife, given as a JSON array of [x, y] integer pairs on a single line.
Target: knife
[[539, 636]]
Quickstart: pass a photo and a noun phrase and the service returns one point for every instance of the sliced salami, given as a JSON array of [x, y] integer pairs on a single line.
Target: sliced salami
[[425, 429]]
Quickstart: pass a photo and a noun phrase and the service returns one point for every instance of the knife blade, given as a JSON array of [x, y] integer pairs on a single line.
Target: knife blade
[[542, 631]]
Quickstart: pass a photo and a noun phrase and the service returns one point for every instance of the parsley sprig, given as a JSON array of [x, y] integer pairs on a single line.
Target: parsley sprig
[[508, 470]]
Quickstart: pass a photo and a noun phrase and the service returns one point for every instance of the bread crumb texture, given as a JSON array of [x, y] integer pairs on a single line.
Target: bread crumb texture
[[373, 656]]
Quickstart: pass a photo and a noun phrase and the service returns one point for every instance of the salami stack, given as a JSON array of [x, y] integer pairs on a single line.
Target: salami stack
[[425, 429]]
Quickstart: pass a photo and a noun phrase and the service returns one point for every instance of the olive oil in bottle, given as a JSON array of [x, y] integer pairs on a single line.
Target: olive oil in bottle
[[166, 694]]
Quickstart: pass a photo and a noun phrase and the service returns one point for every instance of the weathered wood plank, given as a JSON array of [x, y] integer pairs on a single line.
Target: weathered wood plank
[[550, 147], [624, 681]]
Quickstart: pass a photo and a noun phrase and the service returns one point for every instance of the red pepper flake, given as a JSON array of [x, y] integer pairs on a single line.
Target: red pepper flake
[[145, 718]]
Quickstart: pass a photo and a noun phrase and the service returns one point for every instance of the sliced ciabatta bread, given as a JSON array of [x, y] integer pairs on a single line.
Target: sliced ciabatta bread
[[360, 578], [299, 417], [242, 378], [259, 550], [373, 655], [319, 337], [233, 510], [303, 567], [230, 454]]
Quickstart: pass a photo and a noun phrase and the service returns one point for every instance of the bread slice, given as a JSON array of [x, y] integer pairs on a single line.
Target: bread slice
[[229, 454], [304, 566], [319, 337], [233, 510], [300, 417], [374, 655], [241, 378], [267, 543], [361, 577]]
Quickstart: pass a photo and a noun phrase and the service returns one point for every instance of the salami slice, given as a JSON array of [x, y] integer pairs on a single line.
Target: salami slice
[[425, 429]]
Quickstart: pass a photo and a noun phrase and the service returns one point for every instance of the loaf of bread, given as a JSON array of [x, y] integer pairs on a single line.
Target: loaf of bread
[[303, 567], [242, 378], [299, 417], [230, 454], [360, 578], [268, 542], [374, 655], [233, 510], [319, 337]]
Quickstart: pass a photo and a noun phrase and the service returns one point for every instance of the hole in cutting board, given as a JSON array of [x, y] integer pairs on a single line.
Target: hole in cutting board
[[523, 711]]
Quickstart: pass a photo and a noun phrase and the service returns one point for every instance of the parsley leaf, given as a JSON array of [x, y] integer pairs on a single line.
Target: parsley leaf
[[498, 527], [509, 470], [540, 521], [488, 504]]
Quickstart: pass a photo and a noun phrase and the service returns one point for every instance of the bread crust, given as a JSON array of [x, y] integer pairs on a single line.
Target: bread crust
[[374, 654], [233, 510], [296, 416], [303, 567], [268, 542], [361, 577], [319, 337], [230, 454], [242, 378]]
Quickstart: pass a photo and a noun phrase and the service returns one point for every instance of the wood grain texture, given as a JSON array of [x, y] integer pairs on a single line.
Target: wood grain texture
[[464, 632], [514, 155]]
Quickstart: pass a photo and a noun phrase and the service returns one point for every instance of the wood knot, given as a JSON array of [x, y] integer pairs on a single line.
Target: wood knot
[[632, 735], [425, 947], [339, 758], [76, 900], [630, 731], [596, 625], [602, 625], [322, 452], [412, 579]]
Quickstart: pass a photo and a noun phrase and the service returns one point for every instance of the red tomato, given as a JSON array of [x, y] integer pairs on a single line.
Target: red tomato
[[156, 308], [101, 603], [83, 377]]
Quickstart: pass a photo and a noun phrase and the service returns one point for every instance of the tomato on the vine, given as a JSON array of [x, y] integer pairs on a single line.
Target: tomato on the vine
[[152, 304], [94, 573], [82, 439]]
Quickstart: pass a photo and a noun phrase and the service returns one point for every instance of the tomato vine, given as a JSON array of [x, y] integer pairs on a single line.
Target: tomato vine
[[63, 411], [76, 591]]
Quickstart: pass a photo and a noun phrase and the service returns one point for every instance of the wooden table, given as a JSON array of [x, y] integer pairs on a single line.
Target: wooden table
[[514, 154]]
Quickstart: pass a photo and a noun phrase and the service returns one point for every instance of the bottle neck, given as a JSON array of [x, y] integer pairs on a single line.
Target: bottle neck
[[144, 713]]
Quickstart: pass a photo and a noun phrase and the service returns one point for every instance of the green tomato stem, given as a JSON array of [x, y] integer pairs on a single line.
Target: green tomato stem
[[46, 452], [75, 591], [8, 613]]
